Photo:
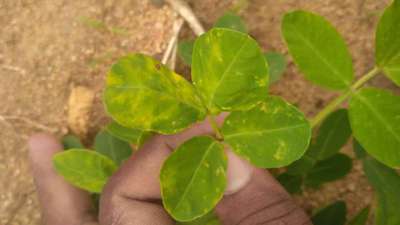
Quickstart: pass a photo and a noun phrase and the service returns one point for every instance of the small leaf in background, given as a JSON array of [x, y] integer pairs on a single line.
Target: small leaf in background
[[112, 147], [84, 168], [142, 93], [193, 178], [301, 166], [229, 70], [334, 214], [374, 117], [185, 51], [130, 135], [333, 134], [359, 150], [272, 134], [330, 169], [318, 50], [232, 21], [386, 183], [277, 65], [387, 40], [208, 219], [292, 183], [93, 23], [71, 141], [239, 5], [361, 218]]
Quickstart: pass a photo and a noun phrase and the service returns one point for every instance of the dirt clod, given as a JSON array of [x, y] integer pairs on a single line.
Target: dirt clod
[[80, 103]]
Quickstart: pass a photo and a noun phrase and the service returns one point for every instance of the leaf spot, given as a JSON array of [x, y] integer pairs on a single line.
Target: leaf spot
[[281, 151]]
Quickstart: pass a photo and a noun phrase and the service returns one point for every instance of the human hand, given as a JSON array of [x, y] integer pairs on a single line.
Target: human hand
[[132, 195]]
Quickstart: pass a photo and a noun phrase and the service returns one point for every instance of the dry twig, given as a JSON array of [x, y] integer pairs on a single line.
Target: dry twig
[[173, 41], [28, 122], [186, 12]]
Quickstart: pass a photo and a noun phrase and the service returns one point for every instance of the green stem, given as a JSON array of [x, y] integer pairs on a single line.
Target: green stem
[[364, 79], [341, 98], [215, 127], [329, 108]]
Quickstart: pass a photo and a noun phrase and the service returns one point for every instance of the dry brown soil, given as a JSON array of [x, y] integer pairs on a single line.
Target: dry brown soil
[[48, 47]]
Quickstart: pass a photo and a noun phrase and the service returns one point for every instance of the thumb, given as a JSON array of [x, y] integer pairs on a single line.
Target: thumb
[[239, 173]]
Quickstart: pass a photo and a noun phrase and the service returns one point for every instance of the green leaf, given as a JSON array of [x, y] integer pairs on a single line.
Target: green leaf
[[361, 218], [193, 178], [71, 141], [386, 182], [84, 168], [301, 166], [130, 135], [208, 219], [112, 147], [333, 134], [229, 70], [333, 168], [318, 50], [291, 183], [277, 65], [374, 118], [143, 94], [185, 51], [334, 214], [359, 150], [388, 42], [232, 21], [272, 134]]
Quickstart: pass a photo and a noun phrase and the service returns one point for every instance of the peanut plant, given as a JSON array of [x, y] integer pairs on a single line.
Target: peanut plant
[[230, 73]]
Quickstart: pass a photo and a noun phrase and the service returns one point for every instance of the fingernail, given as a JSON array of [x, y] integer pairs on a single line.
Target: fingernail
[[239, 173]]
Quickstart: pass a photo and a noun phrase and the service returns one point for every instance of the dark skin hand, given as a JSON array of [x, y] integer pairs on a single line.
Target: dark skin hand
[[132, 195]]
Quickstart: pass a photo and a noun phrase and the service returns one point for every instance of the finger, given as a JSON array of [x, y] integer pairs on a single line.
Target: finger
[[262, 201], [239, 173], [60, 202], [133, 193]]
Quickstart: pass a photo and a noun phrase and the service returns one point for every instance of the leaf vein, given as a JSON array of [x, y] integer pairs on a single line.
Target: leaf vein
[[379, 117], [260, 132]]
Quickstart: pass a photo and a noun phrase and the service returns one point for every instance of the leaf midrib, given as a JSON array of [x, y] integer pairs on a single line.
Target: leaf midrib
[[378, 116], [160, 92], [194, 175], [381, 180], [262, 131], [323, 59], [331, 132], [93, 180], [110, 142], [233, 61]]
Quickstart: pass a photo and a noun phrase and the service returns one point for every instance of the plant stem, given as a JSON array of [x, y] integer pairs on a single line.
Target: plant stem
[[186, 12], [341, 98], [368, 76], [329, 108], [215, 127]]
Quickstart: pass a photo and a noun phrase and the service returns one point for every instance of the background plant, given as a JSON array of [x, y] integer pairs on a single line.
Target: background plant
[[256, 119]]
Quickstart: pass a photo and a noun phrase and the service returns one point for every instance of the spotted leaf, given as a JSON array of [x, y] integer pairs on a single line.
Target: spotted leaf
[[229, 70], [85, 169], [193, 178], [143, 94], [272, 134]]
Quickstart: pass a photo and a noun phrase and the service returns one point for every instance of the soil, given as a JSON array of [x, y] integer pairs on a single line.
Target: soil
[[49, 49]]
